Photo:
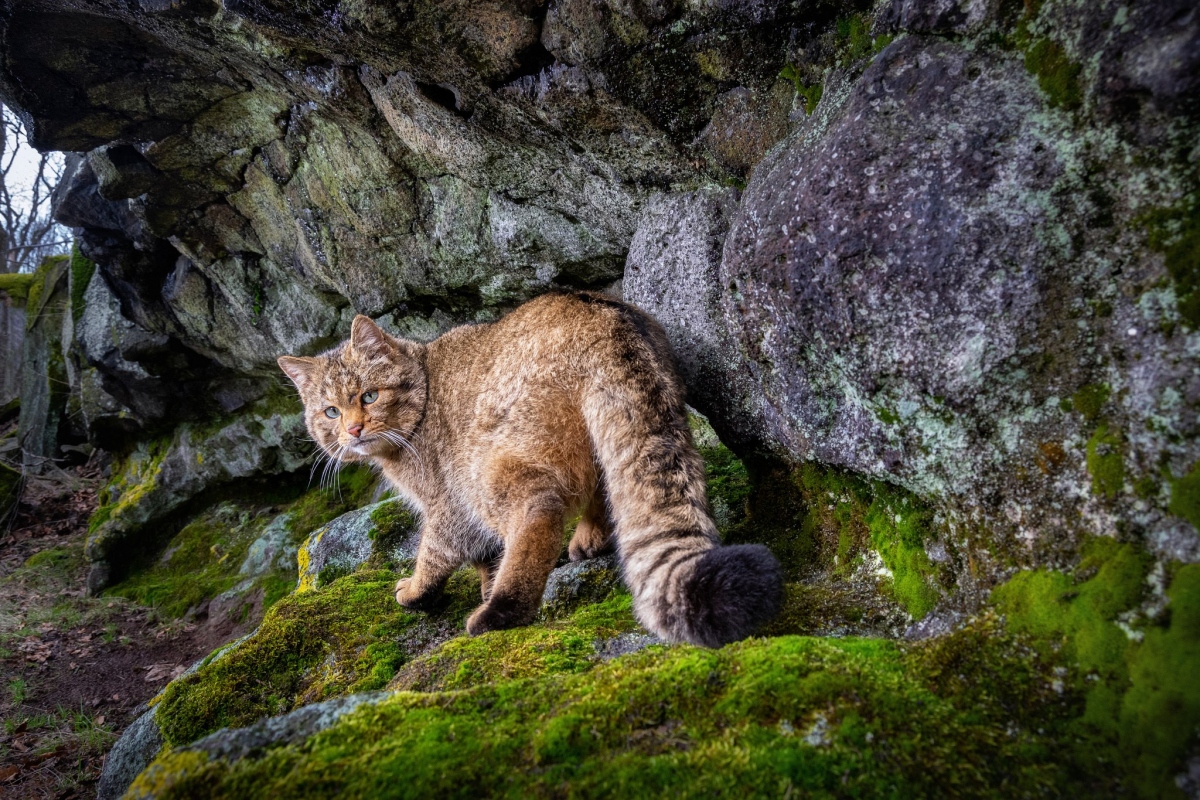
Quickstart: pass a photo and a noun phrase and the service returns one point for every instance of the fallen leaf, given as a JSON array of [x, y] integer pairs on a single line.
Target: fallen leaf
[[8, 773], [156, 672], [99, 720]]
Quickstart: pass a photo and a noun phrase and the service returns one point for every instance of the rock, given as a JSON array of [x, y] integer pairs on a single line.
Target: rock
[[131, 754], [936, 624], [580, 582], [120, 398], [12, 337], [673, 272], [385, 529], [271, 550], [44, 386], [300, 724], [942, 16], [879, 305], [157, 478], [623, 645], [143, 740]]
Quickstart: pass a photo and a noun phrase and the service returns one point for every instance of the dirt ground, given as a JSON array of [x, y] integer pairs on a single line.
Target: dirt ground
[[76, 670]]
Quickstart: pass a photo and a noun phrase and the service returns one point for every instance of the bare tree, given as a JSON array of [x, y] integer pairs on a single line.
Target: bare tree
[[28, 232]]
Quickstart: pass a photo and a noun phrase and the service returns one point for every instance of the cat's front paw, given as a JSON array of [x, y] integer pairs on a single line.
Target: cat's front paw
[[401, 591], [409, 596]]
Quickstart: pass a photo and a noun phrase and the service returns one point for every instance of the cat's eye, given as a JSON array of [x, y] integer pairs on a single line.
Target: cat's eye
[[370, 397], [332, 412]]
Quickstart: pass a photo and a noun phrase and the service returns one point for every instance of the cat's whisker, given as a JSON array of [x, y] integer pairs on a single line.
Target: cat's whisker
[[320, 455], [397, 438], [331, 466], [337, 470]]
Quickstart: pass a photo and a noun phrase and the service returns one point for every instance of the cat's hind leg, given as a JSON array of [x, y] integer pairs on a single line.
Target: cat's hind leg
[[593, 535], [487, 568], [532, 534]]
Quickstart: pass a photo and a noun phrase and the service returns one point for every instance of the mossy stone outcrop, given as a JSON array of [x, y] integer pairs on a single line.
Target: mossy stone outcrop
[[155, 479], [1062, 697], [936, 281]]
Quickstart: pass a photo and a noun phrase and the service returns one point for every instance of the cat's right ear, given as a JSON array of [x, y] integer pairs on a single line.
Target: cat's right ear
[[300, 370], [368, 338]]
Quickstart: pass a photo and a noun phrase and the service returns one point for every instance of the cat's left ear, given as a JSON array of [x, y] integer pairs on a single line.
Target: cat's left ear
[[368, 338], [300, 370]]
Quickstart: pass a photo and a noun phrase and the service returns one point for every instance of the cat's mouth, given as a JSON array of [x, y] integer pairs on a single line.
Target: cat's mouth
[[365, 445]]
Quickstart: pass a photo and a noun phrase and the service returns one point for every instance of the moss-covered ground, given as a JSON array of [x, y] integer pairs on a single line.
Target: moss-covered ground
[[1067, 681], [1045, 692]]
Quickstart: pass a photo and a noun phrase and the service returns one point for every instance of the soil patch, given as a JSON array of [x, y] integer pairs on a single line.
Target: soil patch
[[76, 669]]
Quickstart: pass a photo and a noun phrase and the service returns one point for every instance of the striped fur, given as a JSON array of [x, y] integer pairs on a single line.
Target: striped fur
[[497, 433]]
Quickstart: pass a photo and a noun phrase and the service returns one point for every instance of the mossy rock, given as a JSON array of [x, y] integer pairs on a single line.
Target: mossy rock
[[16, 286], [352, 636], [1078, 692], [823, 717]]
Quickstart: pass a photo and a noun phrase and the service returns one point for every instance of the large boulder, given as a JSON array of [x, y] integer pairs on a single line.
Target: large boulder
[[935, 282]]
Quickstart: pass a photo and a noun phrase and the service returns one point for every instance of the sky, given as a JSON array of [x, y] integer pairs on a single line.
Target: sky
[[24, 170]]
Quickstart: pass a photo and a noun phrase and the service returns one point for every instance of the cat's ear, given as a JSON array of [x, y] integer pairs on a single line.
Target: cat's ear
[[368, 338], [302, 371]]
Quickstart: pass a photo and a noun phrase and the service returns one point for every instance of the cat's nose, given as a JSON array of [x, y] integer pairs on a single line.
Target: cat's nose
[[355, 430]]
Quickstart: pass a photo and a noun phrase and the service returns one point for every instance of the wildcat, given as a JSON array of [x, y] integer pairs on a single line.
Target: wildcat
[[496, 433]]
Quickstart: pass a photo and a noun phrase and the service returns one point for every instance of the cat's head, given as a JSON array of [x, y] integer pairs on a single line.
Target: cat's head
[[364, 397]]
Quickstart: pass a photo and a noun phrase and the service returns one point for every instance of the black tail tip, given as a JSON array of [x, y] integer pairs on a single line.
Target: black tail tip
[[731, 592]]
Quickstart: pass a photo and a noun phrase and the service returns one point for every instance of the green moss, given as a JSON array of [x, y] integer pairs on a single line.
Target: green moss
[[392, 523], [728, 486], [811, 93], [355, 486], [1141, 701], [855, 34], [1090, 400], [346, 637], [41, 287], [1175, 232], [1185, 497], [54, 557], [133, 477], [820, 517], [564, 646], [82, 269], [764, 718], [17, 286], [1106, 461], [1057, 75], [200, 562]]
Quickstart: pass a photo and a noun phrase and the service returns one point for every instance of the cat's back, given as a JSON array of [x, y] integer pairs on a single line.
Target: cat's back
[[526, 371], [574, 328]]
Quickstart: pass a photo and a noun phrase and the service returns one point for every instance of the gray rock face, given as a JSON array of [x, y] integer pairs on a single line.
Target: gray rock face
[[931, 299], [572, 585], [231, 745], [12, 337], [673, 272], [44, 386], [136, 748]]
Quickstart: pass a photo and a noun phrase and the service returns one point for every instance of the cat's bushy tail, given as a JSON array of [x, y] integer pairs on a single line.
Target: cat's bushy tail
[[686, 586]]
